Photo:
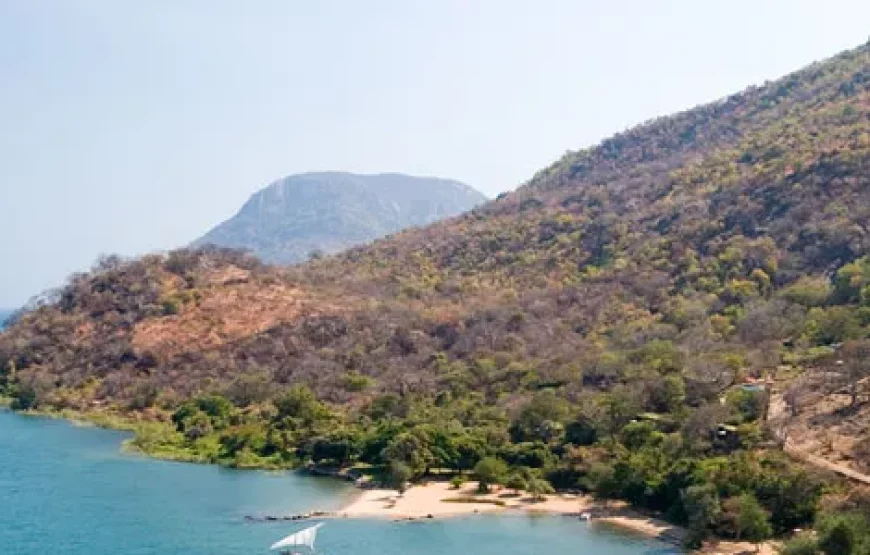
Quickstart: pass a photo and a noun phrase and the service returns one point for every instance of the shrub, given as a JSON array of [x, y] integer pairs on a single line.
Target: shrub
[[356, 382], [809, 291], [171, 306], [398, 475], [804, 544], [516, 482], [843, 533], [539, 488], [489, 471]]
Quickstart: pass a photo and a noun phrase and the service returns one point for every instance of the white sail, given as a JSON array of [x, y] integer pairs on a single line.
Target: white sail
[[303, 538]]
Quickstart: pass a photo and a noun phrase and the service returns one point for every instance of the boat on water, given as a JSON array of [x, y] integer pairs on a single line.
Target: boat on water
[[303, 538]]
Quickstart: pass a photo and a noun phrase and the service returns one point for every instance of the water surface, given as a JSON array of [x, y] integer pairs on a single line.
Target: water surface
[[68, 489]]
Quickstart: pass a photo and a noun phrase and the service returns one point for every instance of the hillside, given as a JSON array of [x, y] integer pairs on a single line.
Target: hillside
[[594, 328], [328, 212]]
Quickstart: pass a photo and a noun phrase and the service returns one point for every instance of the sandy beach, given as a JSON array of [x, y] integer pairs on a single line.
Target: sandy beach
[[439, 500]]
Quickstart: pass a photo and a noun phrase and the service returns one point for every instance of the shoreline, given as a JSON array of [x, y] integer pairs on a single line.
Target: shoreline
[[439, 500]]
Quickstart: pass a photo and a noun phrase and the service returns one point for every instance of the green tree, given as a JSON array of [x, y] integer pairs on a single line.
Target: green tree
[[582, 431], [541, 419], [803, 544], [666, 394], [602, 479], [299, 404], [852, 280], [699, 427], [398, 475], [249, 437], [24, 397], [753, 523], [749, 404], [843, 534], [183, 413], [539, 488], [385, 406], [809, 291], [489, 471], [199, 417], [354, 381], [789, 493], [530, 454], [469, 450], [375, 440], [217, 407], [702, 508], [833, 324], [340, 448], [410, 450], [516, 482], [660, 355], [196, 426], [620, 406], [839, 540], [638, 434]]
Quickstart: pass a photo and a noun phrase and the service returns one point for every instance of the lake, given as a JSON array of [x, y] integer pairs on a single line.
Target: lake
[[69, 489]]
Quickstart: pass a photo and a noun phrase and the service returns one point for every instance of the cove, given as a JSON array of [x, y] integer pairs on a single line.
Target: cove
[[69, 489]]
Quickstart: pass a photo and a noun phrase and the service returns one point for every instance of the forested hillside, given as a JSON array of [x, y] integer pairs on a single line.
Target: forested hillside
[[596, 329]]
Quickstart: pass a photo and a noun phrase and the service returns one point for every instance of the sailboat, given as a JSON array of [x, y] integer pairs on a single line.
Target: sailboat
[[302, 538]]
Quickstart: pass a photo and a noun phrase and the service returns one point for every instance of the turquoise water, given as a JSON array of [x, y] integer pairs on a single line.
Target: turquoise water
[[752, 387], [67, 489]]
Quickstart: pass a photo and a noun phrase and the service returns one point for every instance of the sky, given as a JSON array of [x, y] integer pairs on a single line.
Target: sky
[[131, 127]]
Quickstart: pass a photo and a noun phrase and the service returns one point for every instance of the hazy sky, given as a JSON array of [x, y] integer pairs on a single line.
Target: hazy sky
[[131, 126]]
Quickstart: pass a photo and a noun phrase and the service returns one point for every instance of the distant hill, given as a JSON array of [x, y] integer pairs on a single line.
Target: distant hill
[[4, 314], [331, 211]]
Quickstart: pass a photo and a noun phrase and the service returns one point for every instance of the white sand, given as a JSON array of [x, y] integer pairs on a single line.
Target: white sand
[[429, 501], [417, 502]]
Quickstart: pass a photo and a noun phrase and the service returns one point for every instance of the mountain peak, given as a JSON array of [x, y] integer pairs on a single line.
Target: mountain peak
[[331, 211]]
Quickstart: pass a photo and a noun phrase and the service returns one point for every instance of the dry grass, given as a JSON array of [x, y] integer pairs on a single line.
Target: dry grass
[[230, 309], [827, 427], [474, 500]]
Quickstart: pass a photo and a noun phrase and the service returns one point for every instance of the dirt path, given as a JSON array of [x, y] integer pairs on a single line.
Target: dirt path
[[778, 421], [814, 460]]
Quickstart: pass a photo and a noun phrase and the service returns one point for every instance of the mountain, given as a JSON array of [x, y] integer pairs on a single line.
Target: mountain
[[329, 212], [4, 315], [648, 319]]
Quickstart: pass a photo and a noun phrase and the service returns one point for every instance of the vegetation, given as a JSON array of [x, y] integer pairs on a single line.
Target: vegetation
[[475, 500], [841, 533], [489, 471], [456, 482], [590, 331]]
